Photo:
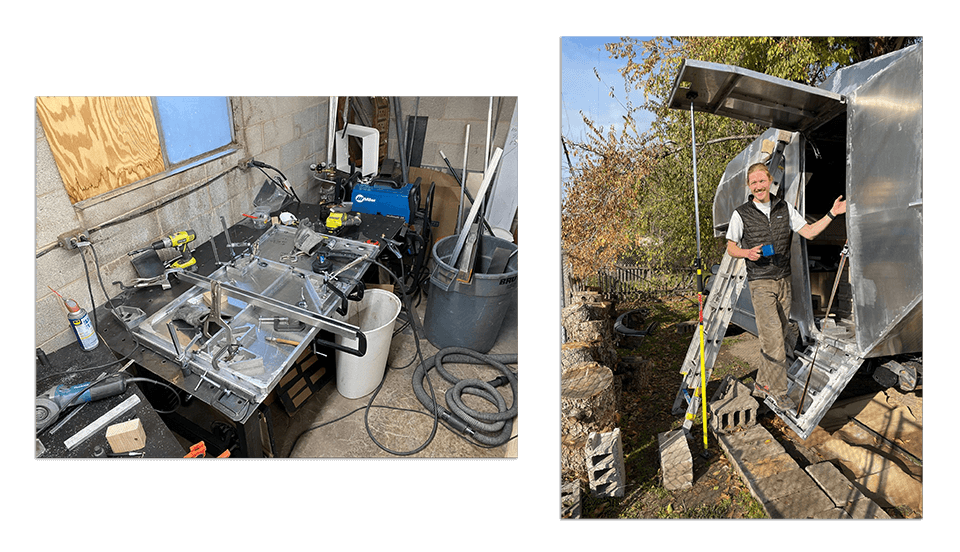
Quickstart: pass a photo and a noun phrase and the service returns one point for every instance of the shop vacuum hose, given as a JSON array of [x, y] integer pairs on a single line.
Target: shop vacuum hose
[[491, 429]]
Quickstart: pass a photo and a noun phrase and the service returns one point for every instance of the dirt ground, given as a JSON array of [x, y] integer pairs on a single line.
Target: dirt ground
[[649, 390]]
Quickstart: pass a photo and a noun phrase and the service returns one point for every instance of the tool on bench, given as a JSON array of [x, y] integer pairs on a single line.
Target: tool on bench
[[100, 452], [281, 341], [51, 403], [101, 422], [274, 195], [162, 280], [260, 220], [338, 219], [231, 245], [179, 241], [826, 319]]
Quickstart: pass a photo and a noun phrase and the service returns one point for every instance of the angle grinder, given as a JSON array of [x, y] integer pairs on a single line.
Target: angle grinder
[[55, 399]]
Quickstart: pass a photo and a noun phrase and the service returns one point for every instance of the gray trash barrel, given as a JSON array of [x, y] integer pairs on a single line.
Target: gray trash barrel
[[470, 315]]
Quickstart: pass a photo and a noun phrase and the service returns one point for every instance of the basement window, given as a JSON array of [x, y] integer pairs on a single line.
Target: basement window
[[192, 126]]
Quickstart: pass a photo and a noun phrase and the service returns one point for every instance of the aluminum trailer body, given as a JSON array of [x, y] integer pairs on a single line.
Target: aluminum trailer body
[[859, 135]]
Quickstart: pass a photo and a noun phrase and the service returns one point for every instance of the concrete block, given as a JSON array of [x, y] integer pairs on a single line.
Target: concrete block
[[605, 469], [676, 462], [732, 407], [832, 513], [800, 505], [784, 483], [840, 489], [766, 467], [865, 509], [751, 444]]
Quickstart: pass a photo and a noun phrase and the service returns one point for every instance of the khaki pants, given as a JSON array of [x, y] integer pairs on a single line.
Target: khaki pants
[[771, 307]]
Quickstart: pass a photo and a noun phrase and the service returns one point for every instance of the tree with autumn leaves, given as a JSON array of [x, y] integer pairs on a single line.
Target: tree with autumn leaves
[[630, 193]]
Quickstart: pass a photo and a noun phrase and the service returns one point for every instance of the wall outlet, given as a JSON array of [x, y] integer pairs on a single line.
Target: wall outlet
[[69, 240]]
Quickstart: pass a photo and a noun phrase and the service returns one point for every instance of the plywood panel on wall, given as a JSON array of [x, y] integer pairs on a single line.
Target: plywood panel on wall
[[101, 143]]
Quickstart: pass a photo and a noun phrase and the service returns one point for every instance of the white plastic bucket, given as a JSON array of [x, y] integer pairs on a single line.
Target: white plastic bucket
[[375, 315]]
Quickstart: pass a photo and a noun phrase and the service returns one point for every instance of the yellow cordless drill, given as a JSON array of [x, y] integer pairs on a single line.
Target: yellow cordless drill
[[178, 241]]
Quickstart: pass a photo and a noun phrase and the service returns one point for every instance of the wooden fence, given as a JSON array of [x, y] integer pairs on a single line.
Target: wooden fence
[[626, 281]]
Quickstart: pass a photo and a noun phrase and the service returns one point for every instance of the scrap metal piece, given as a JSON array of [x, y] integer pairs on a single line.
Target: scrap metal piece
[[101, 422], [487, 177], [130, 317], [468, 256]]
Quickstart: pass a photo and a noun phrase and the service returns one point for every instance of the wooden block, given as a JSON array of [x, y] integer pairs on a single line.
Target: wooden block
[[126, 436], [208, 300], [766, 147]]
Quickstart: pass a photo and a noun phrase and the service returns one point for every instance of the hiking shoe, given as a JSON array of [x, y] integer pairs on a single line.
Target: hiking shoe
[[784, 402]]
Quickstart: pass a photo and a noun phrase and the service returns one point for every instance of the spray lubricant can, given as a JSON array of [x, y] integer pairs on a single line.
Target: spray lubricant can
[[82, 328]]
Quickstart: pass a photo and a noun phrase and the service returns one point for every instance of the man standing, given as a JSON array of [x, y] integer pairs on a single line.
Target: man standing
[[761, 231]]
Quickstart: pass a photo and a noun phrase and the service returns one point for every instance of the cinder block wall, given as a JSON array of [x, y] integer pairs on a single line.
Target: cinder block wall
[[288, 133]]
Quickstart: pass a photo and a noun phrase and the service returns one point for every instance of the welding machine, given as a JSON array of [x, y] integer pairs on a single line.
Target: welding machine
[[385, 197]]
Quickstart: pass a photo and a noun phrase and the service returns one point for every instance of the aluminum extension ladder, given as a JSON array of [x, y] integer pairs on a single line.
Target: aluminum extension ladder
[[727, 285]]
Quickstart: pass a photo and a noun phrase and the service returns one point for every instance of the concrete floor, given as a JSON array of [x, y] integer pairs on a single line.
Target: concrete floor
[[399, 431]]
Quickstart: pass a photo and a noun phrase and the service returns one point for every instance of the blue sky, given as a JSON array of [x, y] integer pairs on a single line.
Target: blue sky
[[581, 91]]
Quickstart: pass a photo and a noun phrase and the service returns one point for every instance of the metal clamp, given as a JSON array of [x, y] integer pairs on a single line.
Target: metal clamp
[[355, 295]]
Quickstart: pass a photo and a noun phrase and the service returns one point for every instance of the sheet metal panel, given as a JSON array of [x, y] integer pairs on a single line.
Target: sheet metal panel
[[884, 209], [733, 192], [750, 96]]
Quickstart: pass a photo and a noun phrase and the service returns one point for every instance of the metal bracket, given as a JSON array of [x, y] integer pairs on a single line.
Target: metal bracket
[[130, 317]]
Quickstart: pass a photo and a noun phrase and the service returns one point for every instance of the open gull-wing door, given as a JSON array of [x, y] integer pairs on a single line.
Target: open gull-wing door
[[780, 104], [753, 97]]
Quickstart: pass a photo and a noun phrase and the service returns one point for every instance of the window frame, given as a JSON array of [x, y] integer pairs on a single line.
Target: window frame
[[170, 169]]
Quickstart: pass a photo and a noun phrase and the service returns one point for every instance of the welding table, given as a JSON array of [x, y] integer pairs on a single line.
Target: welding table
[[212, 417]]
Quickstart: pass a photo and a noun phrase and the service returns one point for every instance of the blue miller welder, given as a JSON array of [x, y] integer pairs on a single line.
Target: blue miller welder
[[387, 197]]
